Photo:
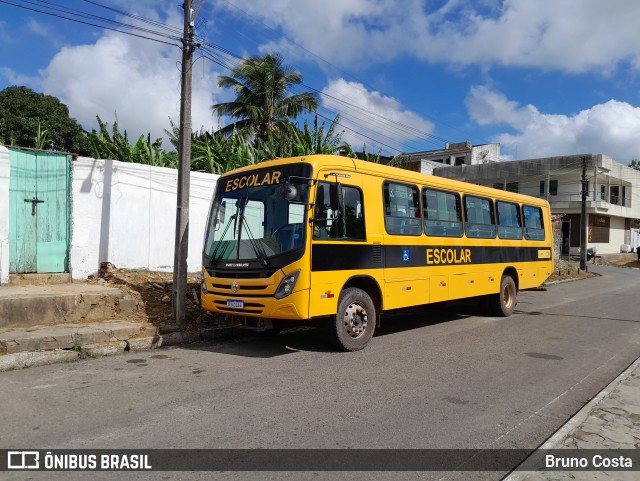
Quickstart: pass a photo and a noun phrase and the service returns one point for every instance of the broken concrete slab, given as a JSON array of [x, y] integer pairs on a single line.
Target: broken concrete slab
[[101, 349], [21, 360], [138, 344], [71, 336], [26, 306]]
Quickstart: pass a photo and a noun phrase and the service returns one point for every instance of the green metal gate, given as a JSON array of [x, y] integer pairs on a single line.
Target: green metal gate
[[39, 212]]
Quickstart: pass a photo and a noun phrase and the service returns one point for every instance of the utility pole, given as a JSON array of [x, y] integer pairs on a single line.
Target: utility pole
[[583, 217], [179, 297]]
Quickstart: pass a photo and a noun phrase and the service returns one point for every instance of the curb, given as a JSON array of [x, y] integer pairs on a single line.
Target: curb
[[555, 440], [574, 279], [206, 334], [39, 346], [586, 410]]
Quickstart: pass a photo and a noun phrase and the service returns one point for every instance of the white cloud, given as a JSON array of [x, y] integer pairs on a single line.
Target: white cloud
[[4, 34], [611, 128], [372, 118], [38, 28], [137, 80], [14, 78], [554, 34]]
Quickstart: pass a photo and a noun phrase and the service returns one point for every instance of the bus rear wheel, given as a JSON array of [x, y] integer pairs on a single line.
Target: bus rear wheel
[[504, 303], [352, 327]]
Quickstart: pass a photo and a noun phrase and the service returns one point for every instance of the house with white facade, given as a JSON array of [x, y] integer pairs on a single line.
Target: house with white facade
[[613, 194]]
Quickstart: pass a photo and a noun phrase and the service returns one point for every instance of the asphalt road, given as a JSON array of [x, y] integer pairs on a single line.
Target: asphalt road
[[445, 377]]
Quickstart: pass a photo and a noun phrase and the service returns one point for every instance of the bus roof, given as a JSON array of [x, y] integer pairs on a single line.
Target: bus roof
[[322, 161]]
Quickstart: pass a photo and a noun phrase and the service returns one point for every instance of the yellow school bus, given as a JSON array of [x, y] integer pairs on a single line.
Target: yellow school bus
[[339, 241]]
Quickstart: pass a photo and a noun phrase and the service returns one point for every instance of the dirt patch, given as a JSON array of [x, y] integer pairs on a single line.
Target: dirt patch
[[154, 289], [623, 263], [568, 270]]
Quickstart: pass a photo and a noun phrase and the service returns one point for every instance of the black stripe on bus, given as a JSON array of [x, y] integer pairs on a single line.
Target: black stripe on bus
[[336, 257]]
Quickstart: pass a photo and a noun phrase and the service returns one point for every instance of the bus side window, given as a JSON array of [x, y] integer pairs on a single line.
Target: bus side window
[[442, 213], [533, 227], [479, 217], [509, 223], [354, 213], [321, 220], [401, 209], [333, 224]]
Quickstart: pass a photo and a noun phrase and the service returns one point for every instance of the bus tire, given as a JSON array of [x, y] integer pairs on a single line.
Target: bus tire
[[352, 327], [504, 303]]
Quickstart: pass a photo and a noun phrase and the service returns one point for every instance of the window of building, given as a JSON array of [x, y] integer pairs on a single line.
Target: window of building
[[553, 187], [442, 213], [480, 221], [511, 186], [615, 194], [459, 161], [333, 223], [533, 227], [402, 209], [509, 224]]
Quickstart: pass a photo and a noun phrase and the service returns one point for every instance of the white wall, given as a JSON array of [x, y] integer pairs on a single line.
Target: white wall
[[4, 215], [124, 213], [616, 236]]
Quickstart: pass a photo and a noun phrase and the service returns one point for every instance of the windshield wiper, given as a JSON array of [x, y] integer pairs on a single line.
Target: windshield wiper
[[258, 248], [215, 251]]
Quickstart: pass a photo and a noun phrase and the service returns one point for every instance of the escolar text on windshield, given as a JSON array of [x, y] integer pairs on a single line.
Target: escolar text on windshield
[[253, 180]]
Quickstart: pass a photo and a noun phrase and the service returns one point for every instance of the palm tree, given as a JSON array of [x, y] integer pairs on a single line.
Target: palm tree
[[263, 101]]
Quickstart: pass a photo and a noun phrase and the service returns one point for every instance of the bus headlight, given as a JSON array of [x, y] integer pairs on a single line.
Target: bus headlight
[[204, 286], [286, 285]]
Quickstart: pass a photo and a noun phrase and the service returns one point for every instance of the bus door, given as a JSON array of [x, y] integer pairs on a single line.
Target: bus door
[[405, 272], [339, 248]]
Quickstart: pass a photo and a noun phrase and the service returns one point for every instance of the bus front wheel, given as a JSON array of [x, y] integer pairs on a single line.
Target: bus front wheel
[[504, 303], [352, 327]]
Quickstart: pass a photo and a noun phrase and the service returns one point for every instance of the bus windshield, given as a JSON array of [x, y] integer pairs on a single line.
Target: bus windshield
[[251, 219]]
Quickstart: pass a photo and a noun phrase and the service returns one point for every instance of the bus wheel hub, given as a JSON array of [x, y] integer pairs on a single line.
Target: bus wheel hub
[[355, 320]]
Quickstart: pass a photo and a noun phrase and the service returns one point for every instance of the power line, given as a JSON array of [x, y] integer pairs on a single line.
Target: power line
[[65, 13]]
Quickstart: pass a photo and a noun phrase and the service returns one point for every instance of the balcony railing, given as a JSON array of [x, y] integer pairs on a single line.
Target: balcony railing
[[611, 199]]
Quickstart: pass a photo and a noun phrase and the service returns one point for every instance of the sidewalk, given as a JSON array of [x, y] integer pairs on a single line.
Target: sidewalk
[[611, 420], [50, 323]]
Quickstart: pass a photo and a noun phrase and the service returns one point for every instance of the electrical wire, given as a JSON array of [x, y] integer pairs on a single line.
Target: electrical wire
[[65, 13]]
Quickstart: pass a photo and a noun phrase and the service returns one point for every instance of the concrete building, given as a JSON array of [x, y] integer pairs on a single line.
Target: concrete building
[[462, 153], [613, 200]]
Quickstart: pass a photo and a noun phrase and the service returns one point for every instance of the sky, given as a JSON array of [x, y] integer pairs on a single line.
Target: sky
[[541, 77]]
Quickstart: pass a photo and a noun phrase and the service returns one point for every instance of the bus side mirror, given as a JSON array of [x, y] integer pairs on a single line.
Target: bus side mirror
[[288, 191], [336, 196]]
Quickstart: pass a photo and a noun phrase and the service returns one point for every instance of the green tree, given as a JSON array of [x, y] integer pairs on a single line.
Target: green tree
[[116, 146], [399, 160], [23, 112], [315, 140], [219, 153], [263, 100]]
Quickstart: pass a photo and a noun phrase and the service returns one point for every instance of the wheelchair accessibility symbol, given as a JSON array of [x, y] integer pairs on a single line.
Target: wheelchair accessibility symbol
[[405, 255]]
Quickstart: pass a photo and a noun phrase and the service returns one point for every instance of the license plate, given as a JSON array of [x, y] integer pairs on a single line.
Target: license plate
[[235, 304]]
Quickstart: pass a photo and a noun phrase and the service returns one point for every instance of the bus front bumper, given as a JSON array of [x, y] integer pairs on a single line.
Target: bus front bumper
[[294, 307]]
